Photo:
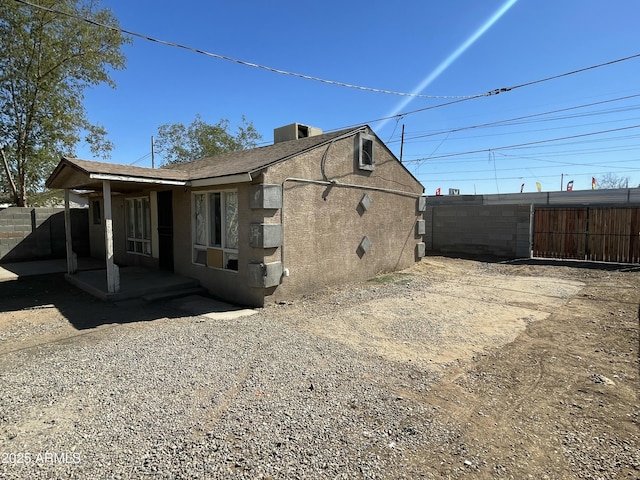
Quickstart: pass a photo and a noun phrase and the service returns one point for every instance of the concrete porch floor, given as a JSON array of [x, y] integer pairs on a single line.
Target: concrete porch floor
[[13, 271], [135, 282]]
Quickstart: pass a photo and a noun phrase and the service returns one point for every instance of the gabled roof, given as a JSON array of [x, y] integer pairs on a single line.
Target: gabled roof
[[250, 161], [76, 173]]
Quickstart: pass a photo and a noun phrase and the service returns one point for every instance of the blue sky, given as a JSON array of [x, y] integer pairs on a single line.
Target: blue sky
[[396, 46]]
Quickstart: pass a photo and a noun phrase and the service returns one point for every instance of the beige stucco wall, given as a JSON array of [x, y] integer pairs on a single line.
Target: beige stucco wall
[[324, 225], [226, 284]]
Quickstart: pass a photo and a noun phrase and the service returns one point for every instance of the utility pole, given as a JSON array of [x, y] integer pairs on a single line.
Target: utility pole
[[153, 162], [561, 180], [402, 143]]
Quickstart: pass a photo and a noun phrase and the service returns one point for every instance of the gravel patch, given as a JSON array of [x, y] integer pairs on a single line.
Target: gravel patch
[[194, 398], [341, 384]]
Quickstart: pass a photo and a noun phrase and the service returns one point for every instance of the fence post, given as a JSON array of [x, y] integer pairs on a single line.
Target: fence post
[[531, 227]]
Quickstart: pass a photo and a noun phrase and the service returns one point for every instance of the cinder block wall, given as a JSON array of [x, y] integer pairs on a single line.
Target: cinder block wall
[[478, 230], [39, 233]]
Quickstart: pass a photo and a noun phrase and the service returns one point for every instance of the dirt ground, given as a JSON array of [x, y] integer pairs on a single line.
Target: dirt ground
[[538, 362]]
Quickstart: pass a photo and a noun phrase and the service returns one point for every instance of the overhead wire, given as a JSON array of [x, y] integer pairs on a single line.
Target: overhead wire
[[564, 164], [573, 164], [492, 92], [524, 144], [508, 122], [525, 131], [238, 61], [147, 155], [459, 98], [573, 72], [553, 154], [491, 179]]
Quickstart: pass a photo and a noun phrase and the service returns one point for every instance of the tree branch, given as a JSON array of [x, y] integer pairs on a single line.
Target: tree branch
[[7, 170]]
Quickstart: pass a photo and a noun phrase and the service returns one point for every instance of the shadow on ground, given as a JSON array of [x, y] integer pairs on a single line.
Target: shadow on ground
[[556, 262], [82, 310], [591, 265]]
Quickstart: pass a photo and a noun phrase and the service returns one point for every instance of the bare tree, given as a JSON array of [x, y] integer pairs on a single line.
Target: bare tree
[[611, 180]]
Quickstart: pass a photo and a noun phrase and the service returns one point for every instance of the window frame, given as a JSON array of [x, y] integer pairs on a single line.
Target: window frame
[[141, 244], [366, 152], [216, 232]]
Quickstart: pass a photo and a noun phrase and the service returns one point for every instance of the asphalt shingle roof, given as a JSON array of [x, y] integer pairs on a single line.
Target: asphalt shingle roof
[[243, 161], [248, 161], [91, 167]]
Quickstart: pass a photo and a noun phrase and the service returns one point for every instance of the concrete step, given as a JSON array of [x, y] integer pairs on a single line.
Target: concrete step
[[171, 294]]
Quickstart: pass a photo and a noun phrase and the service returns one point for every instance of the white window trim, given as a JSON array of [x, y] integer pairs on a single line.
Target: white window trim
[[223, 234], [136, 240]]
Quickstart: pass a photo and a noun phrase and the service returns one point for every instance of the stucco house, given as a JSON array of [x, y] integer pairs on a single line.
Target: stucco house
[[260, 225]]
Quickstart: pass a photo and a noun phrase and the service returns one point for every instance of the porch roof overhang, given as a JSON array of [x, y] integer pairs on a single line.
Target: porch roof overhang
[[85, 175], [89, 175]]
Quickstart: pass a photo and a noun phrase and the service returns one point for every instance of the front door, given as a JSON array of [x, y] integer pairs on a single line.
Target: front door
[[165, 230]]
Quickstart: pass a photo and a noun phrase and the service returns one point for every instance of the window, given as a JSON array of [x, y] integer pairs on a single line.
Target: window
[[215, 229], [138, 226], [95, 207], [366, 159]]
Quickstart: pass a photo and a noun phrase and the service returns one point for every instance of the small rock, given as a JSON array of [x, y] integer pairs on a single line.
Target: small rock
[[601, 379]]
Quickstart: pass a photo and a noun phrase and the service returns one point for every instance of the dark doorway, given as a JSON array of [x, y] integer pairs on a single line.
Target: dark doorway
[[165, 230]]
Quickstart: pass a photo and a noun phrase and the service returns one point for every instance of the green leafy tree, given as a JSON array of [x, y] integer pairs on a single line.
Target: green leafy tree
[[611, 180], [178, 143], [47, 60]]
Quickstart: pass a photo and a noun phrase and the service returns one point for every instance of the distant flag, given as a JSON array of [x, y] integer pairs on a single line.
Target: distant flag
[[438, 191], [570, 186], [593, 183], [538, 186], [521, 188]]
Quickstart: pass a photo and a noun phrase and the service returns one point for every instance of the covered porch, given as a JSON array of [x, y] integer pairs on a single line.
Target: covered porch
[[135, 282], [113, 283]]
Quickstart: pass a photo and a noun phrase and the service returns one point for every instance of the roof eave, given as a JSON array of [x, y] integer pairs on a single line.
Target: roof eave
[[133, 179], [222, 180]]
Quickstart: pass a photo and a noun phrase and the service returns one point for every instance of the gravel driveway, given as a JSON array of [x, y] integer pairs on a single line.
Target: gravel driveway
[[265, 396], [190, 398]]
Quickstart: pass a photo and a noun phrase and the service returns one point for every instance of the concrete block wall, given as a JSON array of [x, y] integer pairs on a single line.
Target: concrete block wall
[[39, 233], [500, 231]]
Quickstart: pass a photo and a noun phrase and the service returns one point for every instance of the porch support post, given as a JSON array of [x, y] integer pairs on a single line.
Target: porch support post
[[113, 280], [72, 263]]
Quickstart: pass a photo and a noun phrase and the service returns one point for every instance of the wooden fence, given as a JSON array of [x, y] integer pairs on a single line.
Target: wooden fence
[[606, 234]]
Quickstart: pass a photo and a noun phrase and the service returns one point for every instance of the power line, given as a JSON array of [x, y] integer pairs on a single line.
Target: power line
[[492, 92], [235, 60], [572, 126], [565, 163], [323, 80], [147, 155], [573, 72], [519, 145], [553, 154], [546, 167], [491, 179], [523, 117]]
